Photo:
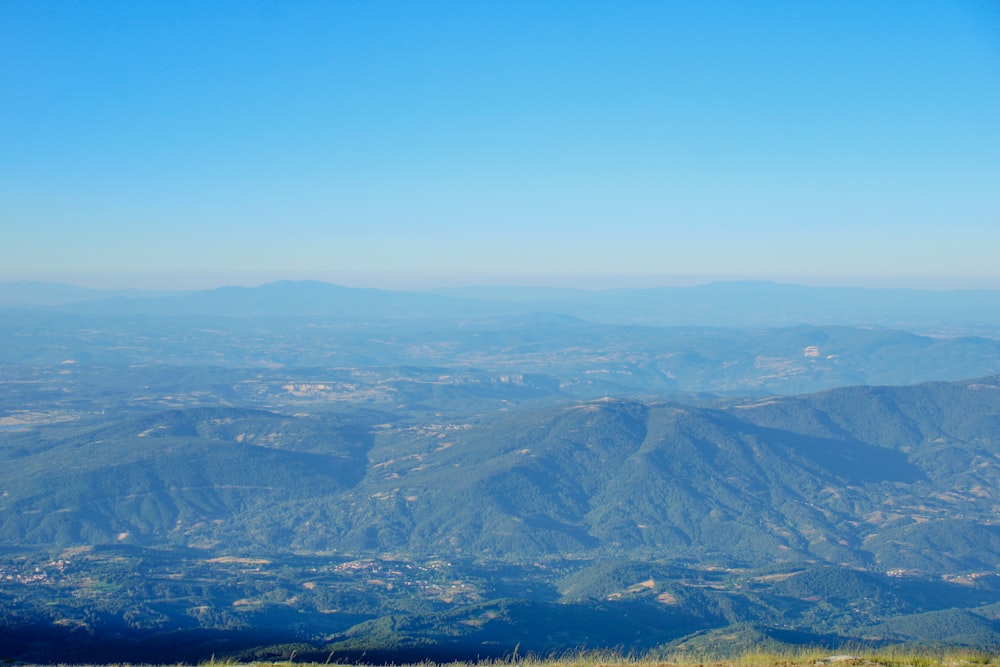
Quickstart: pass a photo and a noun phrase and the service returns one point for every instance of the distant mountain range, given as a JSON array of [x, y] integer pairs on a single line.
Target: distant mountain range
[[733, 304]]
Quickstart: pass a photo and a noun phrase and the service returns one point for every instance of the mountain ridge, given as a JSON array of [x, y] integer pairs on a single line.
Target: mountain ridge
[[802, 475], [734, 303], [852, 515]]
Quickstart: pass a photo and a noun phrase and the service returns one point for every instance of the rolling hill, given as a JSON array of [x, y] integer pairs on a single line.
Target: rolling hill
[[891, 477]]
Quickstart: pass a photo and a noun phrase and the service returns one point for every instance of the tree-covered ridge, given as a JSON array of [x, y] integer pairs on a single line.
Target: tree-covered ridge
[[480, 523], [893, 478]]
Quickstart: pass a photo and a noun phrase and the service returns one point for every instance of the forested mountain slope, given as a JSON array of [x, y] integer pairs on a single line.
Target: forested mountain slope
[[471, 517], [893, 477]]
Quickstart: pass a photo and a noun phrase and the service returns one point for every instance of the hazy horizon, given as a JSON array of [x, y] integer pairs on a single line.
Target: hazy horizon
[[197, 281]]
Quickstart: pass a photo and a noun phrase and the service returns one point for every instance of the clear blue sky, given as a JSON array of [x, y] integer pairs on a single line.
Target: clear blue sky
[[429, 143]]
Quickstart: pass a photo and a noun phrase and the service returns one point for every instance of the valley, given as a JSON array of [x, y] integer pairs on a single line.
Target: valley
[[451, 491]]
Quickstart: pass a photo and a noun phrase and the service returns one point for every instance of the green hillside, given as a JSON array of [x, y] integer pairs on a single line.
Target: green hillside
[[465, 525], [889, 478]]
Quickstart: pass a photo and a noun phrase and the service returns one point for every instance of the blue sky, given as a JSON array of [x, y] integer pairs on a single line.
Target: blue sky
[[400, 144]]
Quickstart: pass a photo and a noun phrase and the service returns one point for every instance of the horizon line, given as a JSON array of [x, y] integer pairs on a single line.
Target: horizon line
[[156, 281]]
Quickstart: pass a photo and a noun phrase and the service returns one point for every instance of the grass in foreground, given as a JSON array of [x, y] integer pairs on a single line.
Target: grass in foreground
[[793, 658], [796, 658]]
